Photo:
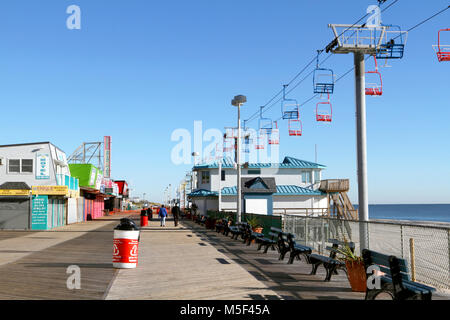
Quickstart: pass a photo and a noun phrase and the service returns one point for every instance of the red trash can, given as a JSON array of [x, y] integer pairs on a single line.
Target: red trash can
[[144, 218], [126, 243]]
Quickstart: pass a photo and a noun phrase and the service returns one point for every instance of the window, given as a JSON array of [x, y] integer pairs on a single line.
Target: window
[[14, 166], [316, 176], [306, 177], [254, 171], [27, 166], [20, 166], [205, 177], [222, 175]]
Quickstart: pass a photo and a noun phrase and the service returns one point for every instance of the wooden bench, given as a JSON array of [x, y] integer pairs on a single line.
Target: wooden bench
[[281, 244], [221, 225], [201, 220], [297, 249], [395, 279], [250, 235], [238, 230], [330, 263], [267, 242]]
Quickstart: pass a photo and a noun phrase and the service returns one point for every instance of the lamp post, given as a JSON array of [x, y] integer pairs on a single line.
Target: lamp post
[[193, 176], [237, 102]]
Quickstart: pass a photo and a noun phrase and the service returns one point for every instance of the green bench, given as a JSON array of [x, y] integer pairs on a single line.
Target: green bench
[[395, 279]]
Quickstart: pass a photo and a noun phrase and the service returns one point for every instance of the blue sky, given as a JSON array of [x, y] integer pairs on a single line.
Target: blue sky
[[138, 70]]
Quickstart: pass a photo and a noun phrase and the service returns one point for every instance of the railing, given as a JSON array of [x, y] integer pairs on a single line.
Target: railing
[[64, 180], [426, 248], [334, 185], [302, 211]]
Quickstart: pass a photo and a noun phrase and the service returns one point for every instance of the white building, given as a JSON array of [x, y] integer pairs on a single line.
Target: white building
[[281, 187], [37, 191]]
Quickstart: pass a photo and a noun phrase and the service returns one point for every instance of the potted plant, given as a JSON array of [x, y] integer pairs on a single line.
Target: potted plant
[[356, 272], [211, 220], [255, 224]]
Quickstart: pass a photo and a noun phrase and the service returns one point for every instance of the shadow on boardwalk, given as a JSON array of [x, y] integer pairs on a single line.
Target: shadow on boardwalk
[[290, 282]]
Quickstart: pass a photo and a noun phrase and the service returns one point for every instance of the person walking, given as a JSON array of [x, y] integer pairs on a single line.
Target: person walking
[[162, 215], [150, 213], [176, 214]]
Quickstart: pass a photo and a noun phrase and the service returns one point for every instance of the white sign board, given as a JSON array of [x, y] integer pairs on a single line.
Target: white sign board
[[42, 166], [256, 206]]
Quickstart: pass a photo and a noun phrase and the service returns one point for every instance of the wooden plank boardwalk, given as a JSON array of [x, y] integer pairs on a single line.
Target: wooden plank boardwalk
[[187, 262]]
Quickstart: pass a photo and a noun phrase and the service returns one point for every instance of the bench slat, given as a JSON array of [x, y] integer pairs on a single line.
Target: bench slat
[[382, 259], [341, 243]]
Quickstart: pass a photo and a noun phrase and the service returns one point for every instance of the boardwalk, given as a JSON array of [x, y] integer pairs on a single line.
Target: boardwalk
[[175, 263]]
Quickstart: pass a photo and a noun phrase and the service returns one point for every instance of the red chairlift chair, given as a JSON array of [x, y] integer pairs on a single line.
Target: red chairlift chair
[[374, 88], [442, 50], [295, 127], [259, 145], [274, 137], [324, 110]]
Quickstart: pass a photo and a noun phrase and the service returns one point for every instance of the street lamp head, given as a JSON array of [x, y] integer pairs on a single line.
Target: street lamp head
[[240, 99]]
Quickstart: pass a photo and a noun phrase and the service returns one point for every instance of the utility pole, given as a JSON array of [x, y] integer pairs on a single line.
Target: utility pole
[[238, 101], [361, 146]]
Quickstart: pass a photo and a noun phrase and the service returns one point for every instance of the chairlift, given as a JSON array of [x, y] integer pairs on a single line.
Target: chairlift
[[274, 137], [259, 145], [442, 50], [295, 127], [324, 111], [374, 84], [323, 79], [228, 143], [393, 44], [247, 140], [289, 107], [265, 125]]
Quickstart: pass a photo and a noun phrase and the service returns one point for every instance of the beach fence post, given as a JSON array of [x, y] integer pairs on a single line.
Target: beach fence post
[[413, 259]]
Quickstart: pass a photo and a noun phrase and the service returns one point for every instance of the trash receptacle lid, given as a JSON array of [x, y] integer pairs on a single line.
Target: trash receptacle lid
[[126, 224]]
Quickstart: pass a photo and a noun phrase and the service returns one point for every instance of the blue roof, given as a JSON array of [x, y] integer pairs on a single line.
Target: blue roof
[[203, 193], [282, 190], [288, 162]]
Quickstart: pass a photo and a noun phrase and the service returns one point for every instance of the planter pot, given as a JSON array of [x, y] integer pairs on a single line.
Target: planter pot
[[259, 229], [356, 276]]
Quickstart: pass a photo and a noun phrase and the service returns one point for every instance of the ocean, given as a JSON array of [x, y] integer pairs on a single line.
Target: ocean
[[413, 212]]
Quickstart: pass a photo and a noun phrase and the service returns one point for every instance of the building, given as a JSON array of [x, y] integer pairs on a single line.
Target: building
[[37, 191], [123, 193], [97, 192], [267, 188]]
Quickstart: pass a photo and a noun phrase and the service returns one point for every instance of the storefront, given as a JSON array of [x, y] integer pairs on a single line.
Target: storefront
[[15, 206], [49, 207]]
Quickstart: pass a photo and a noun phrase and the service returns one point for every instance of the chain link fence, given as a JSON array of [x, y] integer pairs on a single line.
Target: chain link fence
[[426, 248]]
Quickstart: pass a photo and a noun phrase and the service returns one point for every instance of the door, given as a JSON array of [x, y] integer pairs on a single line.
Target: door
[[14, 213]]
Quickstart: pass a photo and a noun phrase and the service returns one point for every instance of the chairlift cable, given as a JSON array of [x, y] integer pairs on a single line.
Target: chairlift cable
[[257, 113]]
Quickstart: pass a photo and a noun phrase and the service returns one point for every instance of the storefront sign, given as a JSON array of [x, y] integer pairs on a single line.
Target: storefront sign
[[42, 166], [14, 192], [39, 213], [92, 176], [107, 156], [50, 190]]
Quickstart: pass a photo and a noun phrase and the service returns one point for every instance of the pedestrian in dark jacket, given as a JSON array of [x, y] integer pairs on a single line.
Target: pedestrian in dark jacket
[[162, 215], [176, 214], [150, 213]]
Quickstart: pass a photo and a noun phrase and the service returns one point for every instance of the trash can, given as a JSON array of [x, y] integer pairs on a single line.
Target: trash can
[[126, 242], [150, 213], [144, 218]]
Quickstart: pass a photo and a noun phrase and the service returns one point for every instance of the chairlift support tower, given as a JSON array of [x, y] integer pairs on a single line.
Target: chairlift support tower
[[361, 40], [88, 152]]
